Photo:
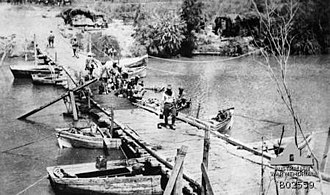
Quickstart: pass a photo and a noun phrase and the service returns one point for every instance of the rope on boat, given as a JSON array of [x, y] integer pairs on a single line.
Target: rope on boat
[[30, 186], [204, 61]]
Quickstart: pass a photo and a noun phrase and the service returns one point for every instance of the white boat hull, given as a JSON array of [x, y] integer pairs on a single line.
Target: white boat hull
[[67, 139]]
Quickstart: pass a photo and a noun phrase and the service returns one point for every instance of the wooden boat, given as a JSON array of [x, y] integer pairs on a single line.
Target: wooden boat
[[49, 79], [134, 62], [274, 147], [121, 177], [84, 138], [223, 121], [139, 71], [22, 71], [302, 143], [135, 66]]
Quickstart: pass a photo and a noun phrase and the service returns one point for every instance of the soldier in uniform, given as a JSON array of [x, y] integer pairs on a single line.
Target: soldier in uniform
[[168, 106]]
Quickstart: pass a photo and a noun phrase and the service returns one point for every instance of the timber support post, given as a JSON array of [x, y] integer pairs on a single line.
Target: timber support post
[[198, 110], [206, 150], [262, 166], [207, 185], [178, 184], [112, 123], [74, 109], [325, 153], [55, 56], [176, 172]]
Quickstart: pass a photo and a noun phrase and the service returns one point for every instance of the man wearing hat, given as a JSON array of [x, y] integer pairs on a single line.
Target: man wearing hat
[[90, 63], [168, 105], [75, 45], [51, 38]]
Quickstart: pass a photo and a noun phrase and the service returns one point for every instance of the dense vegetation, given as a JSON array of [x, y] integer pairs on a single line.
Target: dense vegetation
[[310, 28], [310, 33], [161, 34]]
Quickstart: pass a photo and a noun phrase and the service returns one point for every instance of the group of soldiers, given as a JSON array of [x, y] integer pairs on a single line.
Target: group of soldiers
[[117, 80]]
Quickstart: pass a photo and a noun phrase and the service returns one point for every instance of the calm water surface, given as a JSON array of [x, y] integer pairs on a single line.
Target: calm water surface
[[240, 83]]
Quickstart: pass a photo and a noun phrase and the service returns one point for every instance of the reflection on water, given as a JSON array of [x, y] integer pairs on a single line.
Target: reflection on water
[[239, 83]]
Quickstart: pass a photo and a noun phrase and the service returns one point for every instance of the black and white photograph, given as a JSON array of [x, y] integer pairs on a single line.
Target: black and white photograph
[[164, 97]]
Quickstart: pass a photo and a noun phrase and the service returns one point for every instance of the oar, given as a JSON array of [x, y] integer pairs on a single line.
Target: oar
[[105, 147], [232, 108], [56, 100]]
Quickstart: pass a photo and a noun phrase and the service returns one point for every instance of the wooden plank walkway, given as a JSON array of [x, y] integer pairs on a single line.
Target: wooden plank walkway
[[229, 174], [231, 171]]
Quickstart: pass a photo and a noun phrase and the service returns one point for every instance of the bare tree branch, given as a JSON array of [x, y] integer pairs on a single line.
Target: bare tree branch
[[277, 20]]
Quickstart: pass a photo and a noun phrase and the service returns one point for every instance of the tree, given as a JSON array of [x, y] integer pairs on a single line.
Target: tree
[[162, 34], [277, 20], [191, 14], [320, 21]]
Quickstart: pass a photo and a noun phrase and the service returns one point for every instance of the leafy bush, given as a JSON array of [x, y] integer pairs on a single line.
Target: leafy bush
[[161, 35]]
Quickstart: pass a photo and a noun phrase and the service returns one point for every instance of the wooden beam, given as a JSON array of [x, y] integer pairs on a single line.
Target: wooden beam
[[198, 110], [205, 176], [112, 124], [73, 81], [262, 167], [178, 164], [73, 105], [178, 184], [325, 153], [3, 57], [206, 150], [55, 100]]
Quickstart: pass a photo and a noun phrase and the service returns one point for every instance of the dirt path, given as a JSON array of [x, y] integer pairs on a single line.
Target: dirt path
[[25, 21]]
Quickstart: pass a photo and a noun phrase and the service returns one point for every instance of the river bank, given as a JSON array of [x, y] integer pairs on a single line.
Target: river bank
[[207, 43]]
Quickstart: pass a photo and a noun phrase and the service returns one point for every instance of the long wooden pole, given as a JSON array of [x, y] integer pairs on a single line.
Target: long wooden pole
[[175, 172], [208, 186], [178, 184], [90, 42], [105, 147], [198, 110], [112, 124], [55, 100], [325, 154], [3, 57], [262, 166], [206, 150]]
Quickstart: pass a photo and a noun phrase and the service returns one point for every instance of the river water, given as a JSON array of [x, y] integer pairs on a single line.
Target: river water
[[28, 147]]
